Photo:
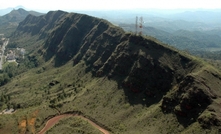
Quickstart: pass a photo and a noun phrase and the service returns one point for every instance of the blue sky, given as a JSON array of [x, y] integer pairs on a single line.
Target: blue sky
[[110, 4]]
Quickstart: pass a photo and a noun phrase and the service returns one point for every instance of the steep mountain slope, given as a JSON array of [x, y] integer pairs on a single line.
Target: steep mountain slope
[[128, 83]]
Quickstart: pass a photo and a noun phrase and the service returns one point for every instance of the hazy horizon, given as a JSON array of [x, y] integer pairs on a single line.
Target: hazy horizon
[[112, 5]]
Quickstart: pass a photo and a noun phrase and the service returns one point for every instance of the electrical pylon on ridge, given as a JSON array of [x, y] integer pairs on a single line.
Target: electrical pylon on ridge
[[139, 26], [136, 25]]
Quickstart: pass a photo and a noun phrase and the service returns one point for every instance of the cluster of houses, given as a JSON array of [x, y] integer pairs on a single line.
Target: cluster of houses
[[12, 55], [8, 111]]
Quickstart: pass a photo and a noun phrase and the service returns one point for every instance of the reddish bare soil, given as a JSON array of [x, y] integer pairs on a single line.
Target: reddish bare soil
[[56, 119], [31, 122], [25, 123], [22, 126]]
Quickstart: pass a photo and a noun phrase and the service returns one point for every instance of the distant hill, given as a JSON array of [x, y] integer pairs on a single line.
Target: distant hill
[[205, 40], [167, 20], [125, 82], [10, 21], [16, 16], [9, 9], [205, 16]]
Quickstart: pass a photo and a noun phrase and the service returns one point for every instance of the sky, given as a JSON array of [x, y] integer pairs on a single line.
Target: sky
[[111, 4]]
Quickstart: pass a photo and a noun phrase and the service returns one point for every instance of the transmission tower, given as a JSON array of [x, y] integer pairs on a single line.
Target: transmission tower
[[139, 25], [136, 25]]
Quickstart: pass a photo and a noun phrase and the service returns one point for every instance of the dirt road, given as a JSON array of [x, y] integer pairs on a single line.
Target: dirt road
[[56, 119]]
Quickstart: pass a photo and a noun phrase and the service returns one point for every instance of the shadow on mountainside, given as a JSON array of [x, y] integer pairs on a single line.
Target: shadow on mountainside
[[144, 69], [149, 72]]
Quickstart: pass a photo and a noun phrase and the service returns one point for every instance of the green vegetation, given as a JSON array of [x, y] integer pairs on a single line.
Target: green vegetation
[[12, 69], [4, 102], [72, 125], [123, 82], [10, 21]]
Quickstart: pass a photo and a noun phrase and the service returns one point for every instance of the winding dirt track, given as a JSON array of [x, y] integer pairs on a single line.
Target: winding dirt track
[[56, 119]]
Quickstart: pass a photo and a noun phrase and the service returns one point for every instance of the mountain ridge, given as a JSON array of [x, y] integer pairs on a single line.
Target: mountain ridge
[[131, 69], [10, 21], [9, 9], [16, 15]]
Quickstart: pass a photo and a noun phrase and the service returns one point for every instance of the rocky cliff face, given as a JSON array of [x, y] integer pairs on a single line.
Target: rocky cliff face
[[148, 71]]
